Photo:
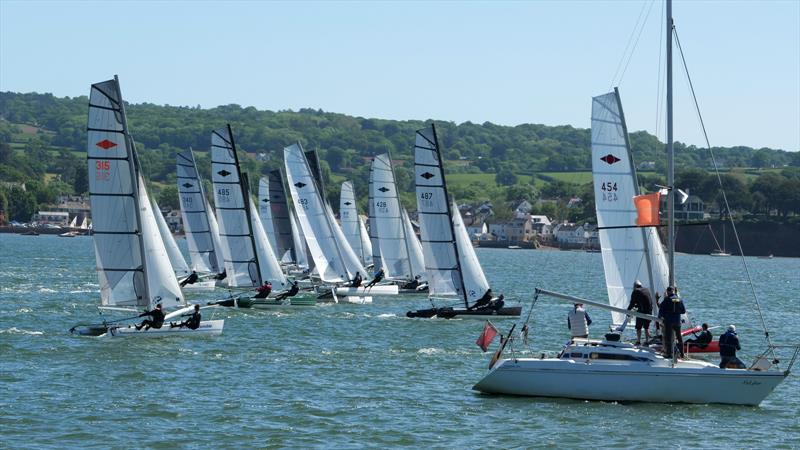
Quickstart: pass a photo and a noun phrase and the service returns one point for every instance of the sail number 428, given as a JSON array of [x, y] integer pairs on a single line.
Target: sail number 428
[[609, 189]]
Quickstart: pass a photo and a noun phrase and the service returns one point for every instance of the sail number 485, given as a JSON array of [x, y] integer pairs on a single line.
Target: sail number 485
[[609, 189]]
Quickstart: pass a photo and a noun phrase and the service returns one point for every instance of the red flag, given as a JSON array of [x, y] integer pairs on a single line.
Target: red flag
[[647, 207], [487, 336]]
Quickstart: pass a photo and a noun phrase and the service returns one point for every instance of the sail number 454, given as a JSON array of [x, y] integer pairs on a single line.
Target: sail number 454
[[609, 189]]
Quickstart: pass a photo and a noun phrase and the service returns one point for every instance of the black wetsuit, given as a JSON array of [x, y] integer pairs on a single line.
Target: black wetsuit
[[702, 340], [377, 279], [157, 319], [191, 279], [356, 281], [483, 301], [290, 293], [193, 322]]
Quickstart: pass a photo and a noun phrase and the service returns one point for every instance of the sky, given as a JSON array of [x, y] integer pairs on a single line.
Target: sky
[[499, 61]]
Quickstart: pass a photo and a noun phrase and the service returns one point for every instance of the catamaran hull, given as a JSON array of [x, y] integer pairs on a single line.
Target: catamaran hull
[[510, 312], [207, 328], [288, 303], [207, 285], [579, 380], [381, 289]]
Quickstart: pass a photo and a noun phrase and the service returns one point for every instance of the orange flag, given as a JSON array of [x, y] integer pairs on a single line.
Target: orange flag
[[487, 336], [647, 207]]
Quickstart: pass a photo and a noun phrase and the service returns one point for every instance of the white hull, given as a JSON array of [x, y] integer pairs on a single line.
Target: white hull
[[381, 289], [687, 382], [207, 328], [208, 285]]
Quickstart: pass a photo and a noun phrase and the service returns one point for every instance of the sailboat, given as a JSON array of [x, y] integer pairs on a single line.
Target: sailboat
[[275, 215], [248, 255], [400, 251], [611, 369], [199, 223], [352, 225], [176, 259], [132, 263], [452, 266], [720, 250]]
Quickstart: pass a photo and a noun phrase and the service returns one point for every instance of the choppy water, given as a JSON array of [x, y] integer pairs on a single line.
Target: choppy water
[[348, 375]]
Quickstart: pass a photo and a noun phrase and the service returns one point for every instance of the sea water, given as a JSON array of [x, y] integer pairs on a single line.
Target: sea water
[[348, 376]]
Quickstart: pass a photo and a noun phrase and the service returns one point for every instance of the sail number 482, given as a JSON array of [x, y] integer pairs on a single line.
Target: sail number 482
[[609, 189]]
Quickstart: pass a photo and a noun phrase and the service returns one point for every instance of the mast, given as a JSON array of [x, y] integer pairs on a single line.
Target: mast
[[450, 215], [670, 155]]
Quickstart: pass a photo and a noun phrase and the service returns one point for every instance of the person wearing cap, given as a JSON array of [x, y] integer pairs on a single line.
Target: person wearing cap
[[157, 316], [578, 322], [728, 344], [670, 312], [643, 302]]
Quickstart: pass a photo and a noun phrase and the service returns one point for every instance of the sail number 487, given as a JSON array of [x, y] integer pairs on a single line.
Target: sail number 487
[[609, 189]]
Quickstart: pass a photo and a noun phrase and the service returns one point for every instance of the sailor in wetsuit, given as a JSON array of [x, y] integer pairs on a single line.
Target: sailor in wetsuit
[[191, 279], [290, 293], [264, 290], [413, 284], [157, 316], [193, 321], [703, 339], [483, 301], [378, 277], [356, 281]]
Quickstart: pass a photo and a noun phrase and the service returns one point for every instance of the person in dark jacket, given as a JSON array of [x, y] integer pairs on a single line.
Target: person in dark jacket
[[670, 311], [193, 321], [356, 281], [378, 277], [290, 293], [413, 284], [156, 319], [702, 340], [643, 302], [483, 301], [191, 279], [264, 290], [728, 344]]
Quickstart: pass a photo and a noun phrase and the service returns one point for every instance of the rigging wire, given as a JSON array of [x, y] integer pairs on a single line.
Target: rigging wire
[[724, 196], [626, 55]]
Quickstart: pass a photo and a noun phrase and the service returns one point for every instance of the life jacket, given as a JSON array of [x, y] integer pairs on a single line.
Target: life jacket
[[577, 322]]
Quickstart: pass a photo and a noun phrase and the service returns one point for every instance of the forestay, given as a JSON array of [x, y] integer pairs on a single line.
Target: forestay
[[313, 218], [628, 253], [391, 232], [230, 193], [435, 218], [199, 223], [119, 232]]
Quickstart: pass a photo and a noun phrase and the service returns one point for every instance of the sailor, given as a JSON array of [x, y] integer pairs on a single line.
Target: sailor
[[191, 279], [290, 293], [221, 276], [578, 322], [643, 302], [728, 344], [264, 290], [702, 340], [193, 321], [413, 284], [483, 301], [356, 281], [378, 277], [157, 321], [670, 311], [498, 303]]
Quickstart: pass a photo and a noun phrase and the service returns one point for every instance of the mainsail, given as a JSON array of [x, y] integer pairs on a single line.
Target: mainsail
[[281, 220], [175, 256], [388, 219], [414, 248], [300, 246], [315, 218], [351, 223], [366, 242], [265, 212], [132, 264], [377, 261], [633, 253], [199, 223], [436, 218]]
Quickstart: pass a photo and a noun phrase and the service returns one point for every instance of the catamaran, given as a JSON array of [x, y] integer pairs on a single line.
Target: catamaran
[[611, 369], [248, 255], [451, 264], [399, 249], [132, 263]]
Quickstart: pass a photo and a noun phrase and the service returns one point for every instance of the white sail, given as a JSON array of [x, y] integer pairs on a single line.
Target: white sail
[[162, 284], [351, 223], [267, 262], [349, 257], [74, 222], [199, 224], [230, 198], [113, 190], [85, 223], [279, 207], [264, 211], [388, 220], [377, 261], [629, 254], [366, 243], [435, 218], [313, 217], [414, 248], [175, 256], [299, 241], [475, 282]]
